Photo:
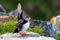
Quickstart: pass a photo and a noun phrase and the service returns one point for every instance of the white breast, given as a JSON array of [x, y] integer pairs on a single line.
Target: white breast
[[25, 26]]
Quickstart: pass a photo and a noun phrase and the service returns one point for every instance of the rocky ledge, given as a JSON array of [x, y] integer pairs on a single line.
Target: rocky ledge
[[29, 36]]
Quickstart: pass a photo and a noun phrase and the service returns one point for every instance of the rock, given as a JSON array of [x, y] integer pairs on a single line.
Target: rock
[[48, 29], [29, 36], [34, 23], [2, 10], [57, 24], [6, 18], [13, 13]]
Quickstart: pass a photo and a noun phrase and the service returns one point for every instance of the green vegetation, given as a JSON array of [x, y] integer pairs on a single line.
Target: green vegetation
[[8, 26], [36, 29], [58, 38]]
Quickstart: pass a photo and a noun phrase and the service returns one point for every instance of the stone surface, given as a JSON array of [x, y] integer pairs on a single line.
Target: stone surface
[[2, 10], [13, 13], [29, 36]]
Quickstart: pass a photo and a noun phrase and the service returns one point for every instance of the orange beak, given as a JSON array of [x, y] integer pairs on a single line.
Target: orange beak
[[30, 19]]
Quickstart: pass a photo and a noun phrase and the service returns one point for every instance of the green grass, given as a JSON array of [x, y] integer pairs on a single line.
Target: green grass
[[10, 26], [58, 38], [36, 29]]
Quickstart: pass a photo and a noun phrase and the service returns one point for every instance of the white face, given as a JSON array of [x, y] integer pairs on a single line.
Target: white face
[[19, 8], [27, 19]]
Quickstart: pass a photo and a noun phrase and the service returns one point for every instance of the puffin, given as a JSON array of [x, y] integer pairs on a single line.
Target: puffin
[[26, 24], [23, 21]]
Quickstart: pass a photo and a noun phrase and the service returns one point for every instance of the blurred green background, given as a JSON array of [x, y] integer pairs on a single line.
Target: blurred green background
[[37, 9]]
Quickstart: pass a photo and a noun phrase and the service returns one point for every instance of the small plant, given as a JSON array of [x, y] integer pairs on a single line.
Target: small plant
[[8, 26], [36, 29]]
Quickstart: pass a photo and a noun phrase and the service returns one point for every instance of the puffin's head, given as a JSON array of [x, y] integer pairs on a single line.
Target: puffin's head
[[27, 18]]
